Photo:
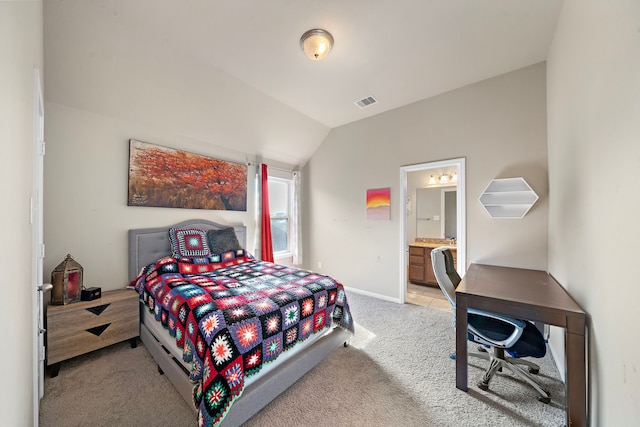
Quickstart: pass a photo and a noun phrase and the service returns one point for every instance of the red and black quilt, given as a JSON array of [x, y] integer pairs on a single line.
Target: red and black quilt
[[231, 318]]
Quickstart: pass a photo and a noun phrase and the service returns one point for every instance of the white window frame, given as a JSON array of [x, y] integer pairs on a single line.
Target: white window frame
[[290, 200]]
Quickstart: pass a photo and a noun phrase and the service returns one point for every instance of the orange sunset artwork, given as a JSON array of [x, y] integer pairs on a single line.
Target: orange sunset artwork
[[379, 204]]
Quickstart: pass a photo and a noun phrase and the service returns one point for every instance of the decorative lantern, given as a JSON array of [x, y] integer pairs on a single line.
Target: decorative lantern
[[67, 282]]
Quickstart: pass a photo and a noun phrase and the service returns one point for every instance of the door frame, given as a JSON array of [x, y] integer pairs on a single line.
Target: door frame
[[37, 227], [461, 216], [443, 215]]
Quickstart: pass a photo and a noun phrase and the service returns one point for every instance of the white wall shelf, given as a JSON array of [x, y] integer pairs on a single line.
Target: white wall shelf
[[508, 198]]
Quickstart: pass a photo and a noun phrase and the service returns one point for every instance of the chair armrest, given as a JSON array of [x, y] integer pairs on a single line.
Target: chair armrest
[[518, 328]]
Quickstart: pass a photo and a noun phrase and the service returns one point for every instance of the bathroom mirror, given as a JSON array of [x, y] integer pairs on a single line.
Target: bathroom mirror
[[436, 212]]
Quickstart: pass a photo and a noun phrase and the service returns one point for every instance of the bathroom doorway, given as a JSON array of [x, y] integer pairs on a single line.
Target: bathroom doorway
[[432, 181]]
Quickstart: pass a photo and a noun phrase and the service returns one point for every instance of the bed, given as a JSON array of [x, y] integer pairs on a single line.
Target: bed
[[178, 335]]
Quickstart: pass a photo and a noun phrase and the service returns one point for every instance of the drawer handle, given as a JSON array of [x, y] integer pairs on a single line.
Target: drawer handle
[[97, 310], [98, 330]]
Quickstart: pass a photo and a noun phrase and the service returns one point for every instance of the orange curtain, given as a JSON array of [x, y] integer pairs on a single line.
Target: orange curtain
[[267, 245]]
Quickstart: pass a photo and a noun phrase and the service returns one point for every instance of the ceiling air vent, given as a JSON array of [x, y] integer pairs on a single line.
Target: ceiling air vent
[[366, 102]]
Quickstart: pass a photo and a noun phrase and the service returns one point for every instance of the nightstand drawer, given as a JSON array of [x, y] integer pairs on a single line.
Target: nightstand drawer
[[72, 343], [99, 313], [81, 327]]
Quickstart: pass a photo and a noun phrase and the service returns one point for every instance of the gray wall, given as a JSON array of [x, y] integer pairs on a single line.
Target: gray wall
[[594, 128], [103, 90], [498, 125], [86, 173], [428, 207], [21, 52], [420, 180]]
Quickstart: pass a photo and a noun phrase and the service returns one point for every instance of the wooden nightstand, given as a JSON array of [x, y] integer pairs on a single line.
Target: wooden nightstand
[[81, 327]]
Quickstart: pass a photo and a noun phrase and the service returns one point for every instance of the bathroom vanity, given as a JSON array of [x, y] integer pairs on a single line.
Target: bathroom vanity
[[420, 268]]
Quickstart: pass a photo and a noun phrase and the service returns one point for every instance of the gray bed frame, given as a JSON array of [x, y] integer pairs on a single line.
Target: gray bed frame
[[147, 245]]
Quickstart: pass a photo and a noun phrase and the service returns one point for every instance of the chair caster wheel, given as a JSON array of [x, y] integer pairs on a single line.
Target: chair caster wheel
[[483, 386], [346, 344], [534, 371], [545, 400], [452, 356]]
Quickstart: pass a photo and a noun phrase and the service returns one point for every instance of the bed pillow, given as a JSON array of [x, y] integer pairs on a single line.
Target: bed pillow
[[223, 240], [227, 256], [189, 243]]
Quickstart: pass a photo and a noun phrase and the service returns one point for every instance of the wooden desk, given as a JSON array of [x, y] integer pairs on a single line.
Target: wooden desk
[[532, 295]]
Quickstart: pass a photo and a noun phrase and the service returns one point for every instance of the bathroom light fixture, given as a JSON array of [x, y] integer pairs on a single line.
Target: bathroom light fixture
[[432, 180], [316, 44], [444, 178]]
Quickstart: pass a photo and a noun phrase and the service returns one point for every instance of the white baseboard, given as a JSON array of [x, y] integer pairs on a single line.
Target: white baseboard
[[371, 294]]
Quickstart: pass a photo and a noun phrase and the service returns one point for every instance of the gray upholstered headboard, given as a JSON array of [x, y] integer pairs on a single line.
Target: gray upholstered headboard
[[147, 245]]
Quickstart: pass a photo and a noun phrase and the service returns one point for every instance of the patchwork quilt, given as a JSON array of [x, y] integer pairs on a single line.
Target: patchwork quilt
[[233, 317]]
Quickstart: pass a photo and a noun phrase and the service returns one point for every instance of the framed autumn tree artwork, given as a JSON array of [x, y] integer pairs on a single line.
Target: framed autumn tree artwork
[[165, 177]]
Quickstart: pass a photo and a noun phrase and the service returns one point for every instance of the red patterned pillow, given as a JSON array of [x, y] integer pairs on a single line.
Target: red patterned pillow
[[188, 243]]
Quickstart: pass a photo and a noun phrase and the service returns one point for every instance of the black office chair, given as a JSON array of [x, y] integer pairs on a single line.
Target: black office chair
[[516, 337]]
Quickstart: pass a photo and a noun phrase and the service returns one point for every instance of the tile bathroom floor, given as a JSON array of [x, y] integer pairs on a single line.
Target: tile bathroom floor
[[427, 296]]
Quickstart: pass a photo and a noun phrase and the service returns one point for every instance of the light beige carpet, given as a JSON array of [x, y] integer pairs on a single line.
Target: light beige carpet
[[396, 372]]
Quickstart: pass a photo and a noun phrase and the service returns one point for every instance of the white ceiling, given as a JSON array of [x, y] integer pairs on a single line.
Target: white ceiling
[[231, 73], [399, 51]]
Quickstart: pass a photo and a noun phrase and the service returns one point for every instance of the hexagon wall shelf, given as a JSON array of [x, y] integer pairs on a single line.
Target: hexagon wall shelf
[[508, 198]]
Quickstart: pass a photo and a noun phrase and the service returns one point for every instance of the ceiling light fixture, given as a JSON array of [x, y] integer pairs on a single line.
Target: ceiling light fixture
[[316, 44]]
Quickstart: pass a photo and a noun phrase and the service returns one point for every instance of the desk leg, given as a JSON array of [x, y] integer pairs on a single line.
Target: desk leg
[[461, 342], [576, 379]]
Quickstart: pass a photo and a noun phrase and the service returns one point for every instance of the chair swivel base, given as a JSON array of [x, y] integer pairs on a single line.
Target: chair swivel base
[[499, 361]]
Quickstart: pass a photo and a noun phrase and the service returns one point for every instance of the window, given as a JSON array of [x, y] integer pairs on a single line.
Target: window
[[280, 208]]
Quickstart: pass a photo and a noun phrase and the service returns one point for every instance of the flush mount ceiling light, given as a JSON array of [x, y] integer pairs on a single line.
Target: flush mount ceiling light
[[316, 44]]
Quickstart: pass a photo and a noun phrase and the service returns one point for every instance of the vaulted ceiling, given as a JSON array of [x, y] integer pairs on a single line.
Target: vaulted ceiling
[[398, 51]]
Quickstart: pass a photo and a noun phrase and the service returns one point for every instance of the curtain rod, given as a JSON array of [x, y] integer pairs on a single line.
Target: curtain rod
[[250, 163]]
